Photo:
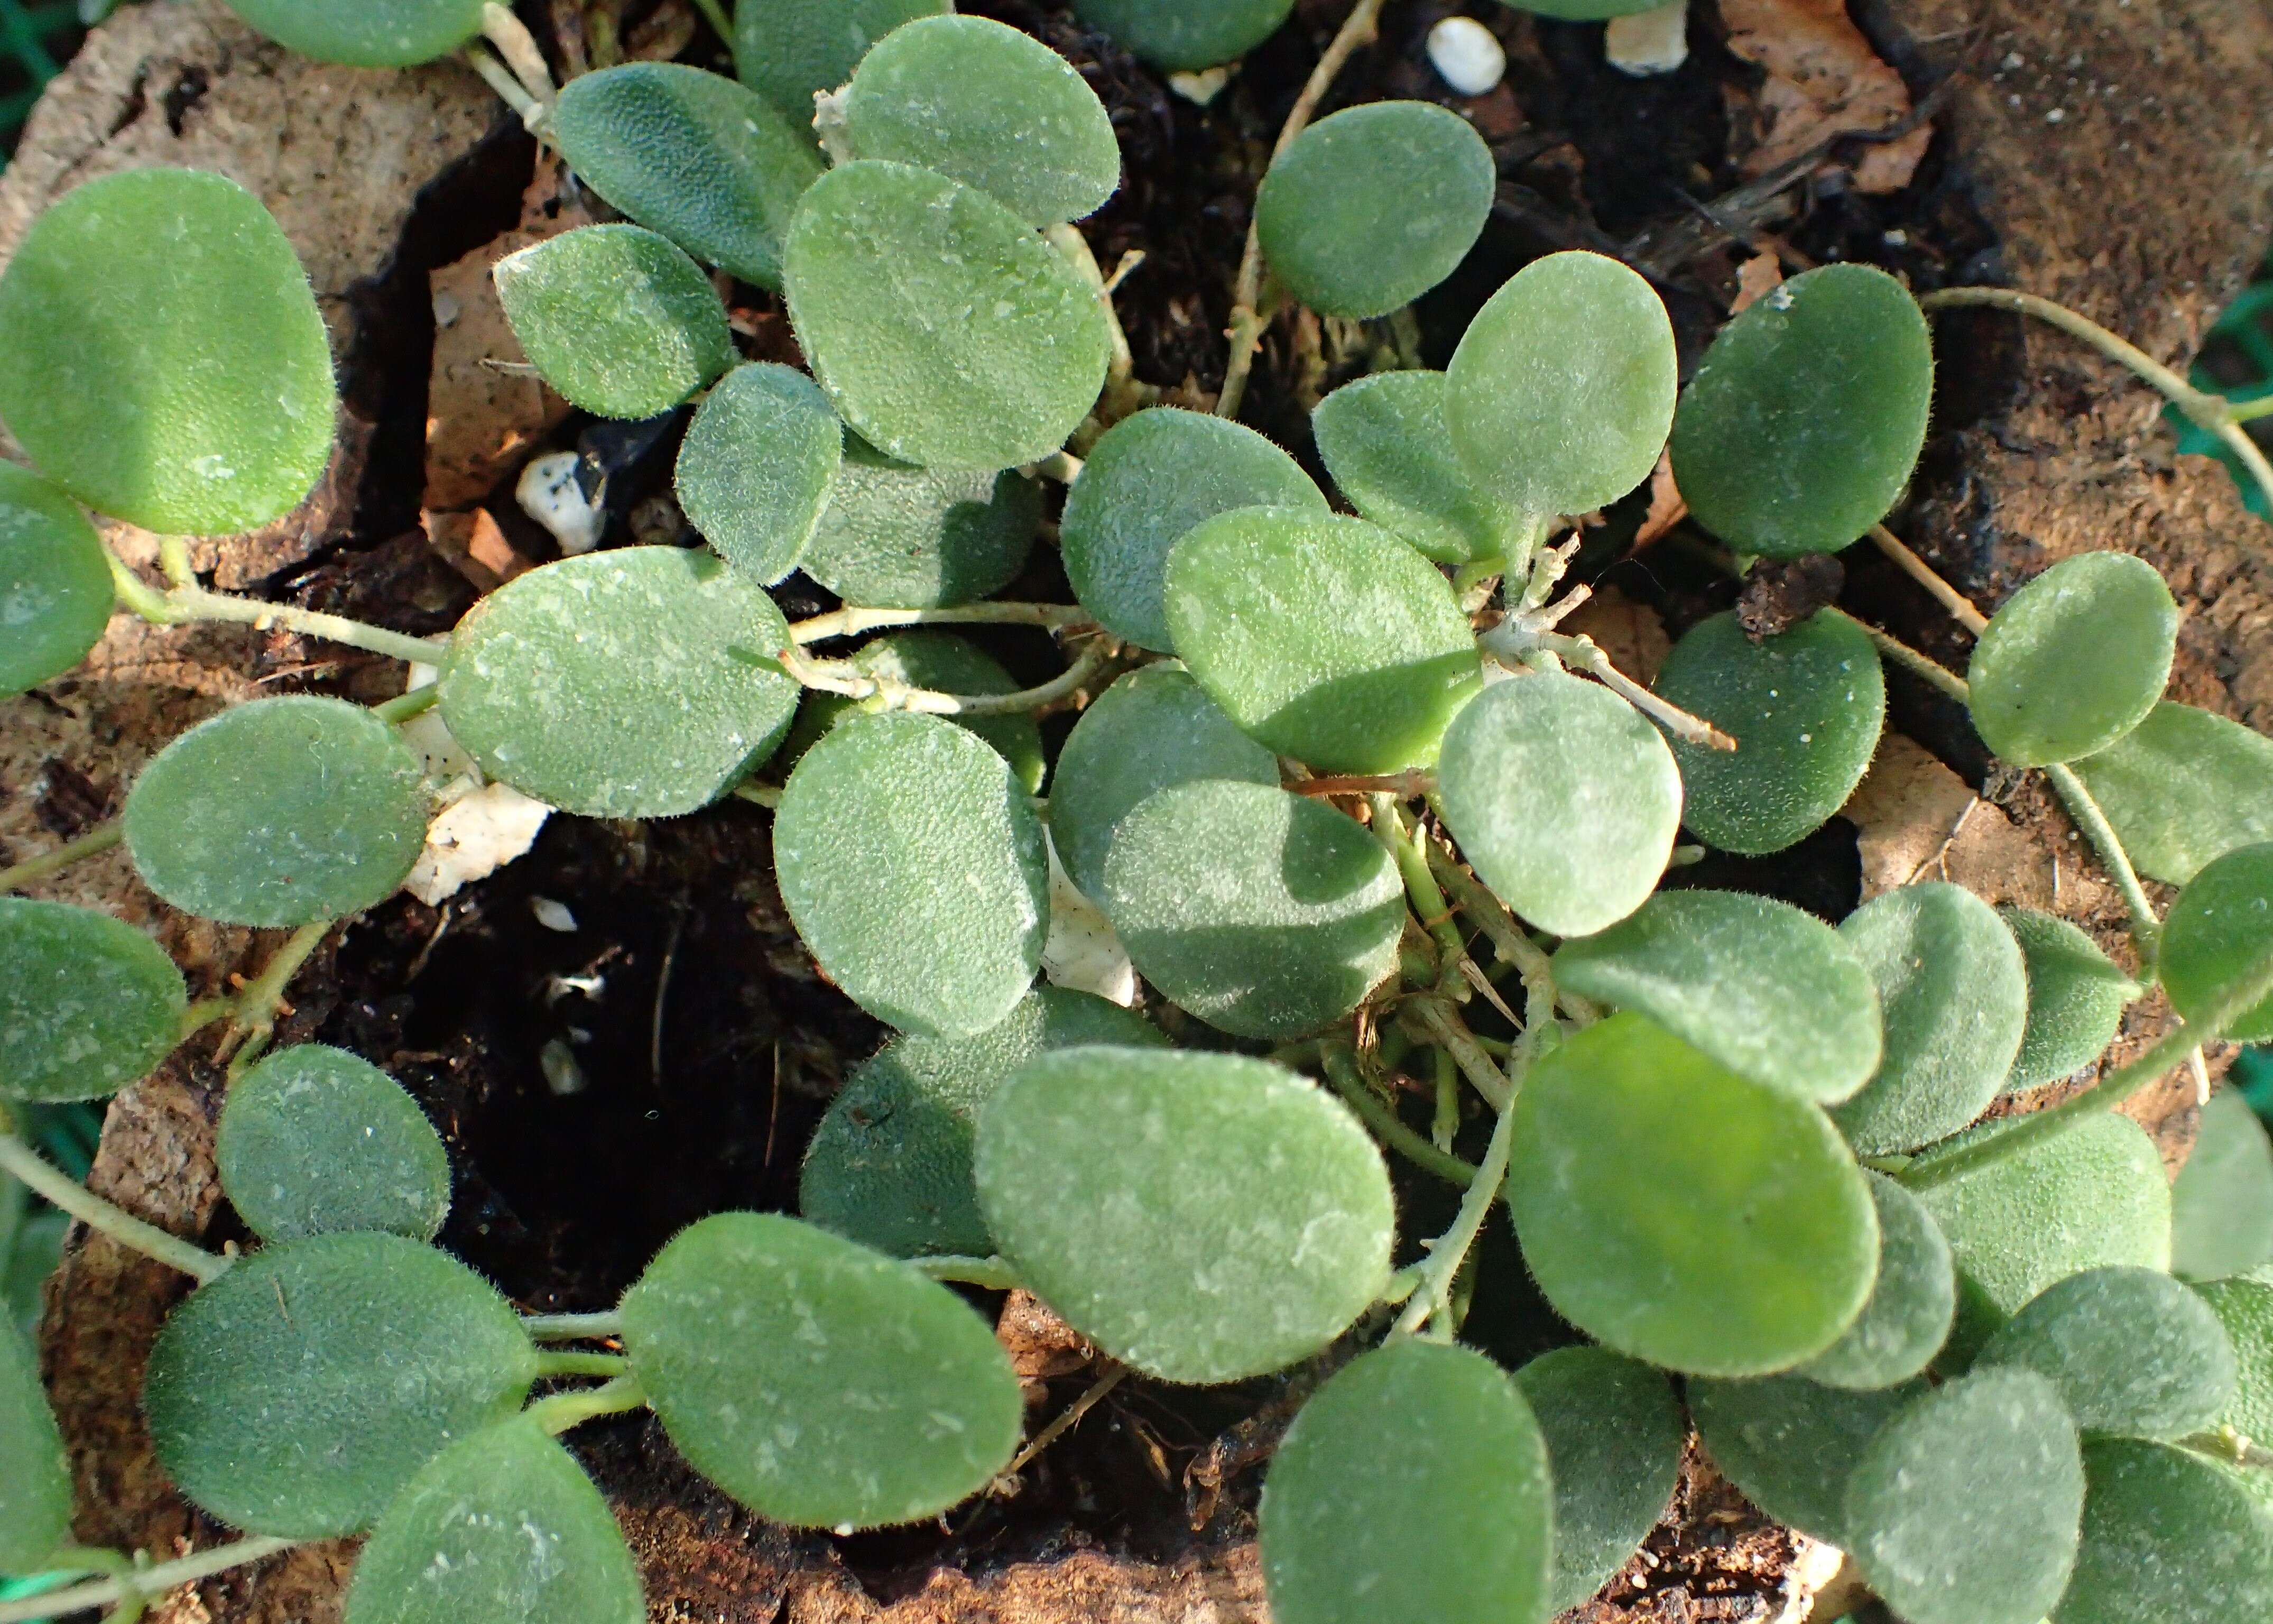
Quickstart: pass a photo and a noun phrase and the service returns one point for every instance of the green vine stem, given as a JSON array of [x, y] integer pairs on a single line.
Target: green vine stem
[[145, 1582], [402, 707], [1509, 941], [1340, 1063], [1450, 1250], [994, 1274], [842, 677], [183, 604], [1959, 606], [555, 1366], [852, 622], [1442, 1023], [2146, 928], [572, 1327], [254, 1016], [33, 869], [557, 1412], [1900, 653], [70, 1195], [1405, 847]]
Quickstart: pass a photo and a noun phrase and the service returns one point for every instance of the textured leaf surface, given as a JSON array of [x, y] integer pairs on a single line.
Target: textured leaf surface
[[890, 1163], [2183, 787], [617, 318], [504, 1528], [161, 354], [2076, 996], [1561, 392], [1584, 11], [945, 664], [1563, 797], [637, 682], [757, 466], [1413, 1485], [2131, 1351], [35, 1490], [1176, 35], [913, 867], [711, 165], [2170, 1536], [1802, 425], [1685, 1215], [316, 1142], [1614, 1434], [87, 1004], [1912, 1302], [2074, 659], [1806, 708], [279, 812], [1265, 913], [1954, 993], [1326, 638], [2245, 1308], [1151, 478], [2222, 1201], [296, 1393], [1384, 440], [2218, 935], [1769, 991], [947, 333], [1791, 1444], [54, 583], [788, 49], [1202, 1217], [896, 536], [365, 34]]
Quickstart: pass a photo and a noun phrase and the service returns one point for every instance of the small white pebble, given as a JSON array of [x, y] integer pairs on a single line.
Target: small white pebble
[[562, 1074], [2012, 60], [1896, 238], [1466, 56], [1649, 43], [553, 916], [1202, 87], [549, 494], [2055, 115]]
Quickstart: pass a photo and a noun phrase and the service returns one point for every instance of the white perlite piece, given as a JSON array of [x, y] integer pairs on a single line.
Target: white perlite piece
[[473, 838], [553, 916], [1466, 56], [548, 493], [1648, 42], [1202, 87], [1081, 953]]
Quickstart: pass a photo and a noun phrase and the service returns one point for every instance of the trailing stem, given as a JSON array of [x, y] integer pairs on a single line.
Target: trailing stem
[[144, 1582], [2146, 929], [557, 1412], [850, 621], [71, 1196], [572, 1327], [254, 1012], [1340, 1063], [182, 604], [1450, 1250], [1961, 607], [33, 869], [842, 677]]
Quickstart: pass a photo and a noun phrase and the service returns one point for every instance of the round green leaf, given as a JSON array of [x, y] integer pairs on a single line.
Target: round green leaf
[[617, 318], [850, 1389], [365, 34], [1563, 797], [1683, 1214], [1384, 441], [1264, 914], [1561, 392], [913, 867], [1152, 729], [1802, 424], [1963, 1508], [991, 107], [2076, 997], [2182, 787], [788, 50], [713, 166], [1151, 478], [1770, 992], [890, 1163], [2170, 1536], [1614, 1435], [758, 466], [1791, 1444], [504, 1528], [638, 682], [947, 333], [1326, 638], [54, 583], [35, 1490], [279, 812], [316, 1142], [1912, 1302], [2131, 1351], [2217, 934], [1804, 706], [2222, 1201], [1584, 11], [1366, 211], [1953, 992], [946, 663], [296, 1393], [1179, 36], [2244, 1307], [2074, 659], [896, 536], [161, 354], [87, 1004], [1413, 1485], [1202, 1217]]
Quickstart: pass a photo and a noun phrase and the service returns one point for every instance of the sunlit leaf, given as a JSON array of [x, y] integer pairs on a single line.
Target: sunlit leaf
[[279, 812], [890, 1163], [54, 583], [35, 1490], [2222, 1201], [617, 318], [87, 1004], [913, 867], [2245, 1308], [1767, 990], [296, 1393], [851, 1390], [315, 1141], [1963, 1508], [1177, 35], [2182, 787], [2218, 933], [161, 354], [1683, 1214], [1384, 441], [948, 333], [1265, 913], [946, 663], [991, 107], [1912, 1302], [1803, 422], [2074, 659], [2131, 1351], [2076, 997], [758, 465], [637, 682], [1204, 1217], [1614, 1434], [1147, 483], [503, 1528], [1791, 1444], [897, 536], [1560, 394], [1954, 993], [1412, 1489], [2170, 1536], [710, 164], [1804, 706], [365, 34], [788, 49]]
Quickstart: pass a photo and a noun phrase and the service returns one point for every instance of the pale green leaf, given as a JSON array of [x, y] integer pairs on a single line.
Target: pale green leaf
[[897, 536], [365, 34], [2076, 997], [617, 318], [2074, 659], [1384, 441], [757, 467], [55, 582], [315, 1141], [2183, 787], [87, 1004], [1614, 1434], [2132, 1352], [1912, 1302]]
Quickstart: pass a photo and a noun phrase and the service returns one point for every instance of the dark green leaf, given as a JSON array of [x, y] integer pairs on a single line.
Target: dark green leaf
[[788, 50], [2131, 1351], [617, 319], [945, 664], [1791, 1444], [2170, 1536], [2222, 1202], [35, 1490], [2075, 660], [896, 536], [316, 1142], [2182, 787], [2245, 1308], [1912, 1301], [1614, 1434], [1178, 35], [1584, 11], [758, 466], [1384, 441], [365, 34], [2076, 997], [2218, 934], [87, 1004], [54, 583]]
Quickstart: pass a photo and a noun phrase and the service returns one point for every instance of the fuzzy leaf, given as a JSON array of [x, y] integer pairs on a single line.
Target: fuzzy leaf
[[946, 663], [365, 34], [1178, 36], [2222, 1201], [1384, 440], [1584, 11], [2183, 787], [2218, 933], [788, 50], [1614, 1435], [2132, 1352], [87, 1004], [2245, 1308], [35, 1490], [2075, 660], [2076, 997], [1912, 1302], [54, 583], [617, 318], [1791, 1444], [758, 465], [896, 536], [2168, 1535], [1204, 1217], [316, 1141]]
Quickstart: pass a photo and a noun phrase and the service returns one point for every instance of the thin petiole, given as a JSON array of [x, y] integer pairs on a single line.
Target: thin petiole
[[992, 1273], [255, 1014], [1961, 608], [2146, 929], [1450, 1249], [559, 1364], [852, 621], [32, 870], [402, 707], [572, 1327], [145, 1582], [519, 47], [842, 677], [557, 1412], [1404, 846], [1341, 1071], [28, 1165], [182, 605], [1909, 659]]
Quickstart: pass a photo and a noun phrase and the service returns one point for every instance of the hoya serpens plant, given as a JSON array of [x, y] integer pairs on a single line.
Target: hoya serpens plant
[[1354, 805]]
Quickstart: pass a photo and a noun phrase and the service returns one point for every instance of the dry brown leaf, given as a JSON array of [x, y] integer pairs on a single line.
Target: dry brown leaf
[[1667, 507], [1823, 80], [1757, 278]]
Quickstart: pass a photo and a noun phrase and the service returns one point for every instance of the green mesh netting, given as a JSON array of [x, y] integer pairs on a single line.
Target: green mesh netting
[[2237, 361]]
